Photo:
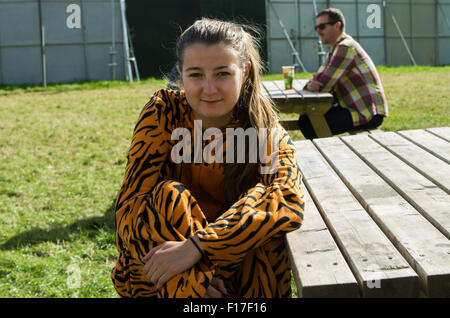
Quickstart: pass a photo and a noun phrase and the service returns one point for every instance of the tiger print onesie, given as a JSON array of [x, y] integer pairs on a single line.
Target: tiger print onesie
[[162, 201]]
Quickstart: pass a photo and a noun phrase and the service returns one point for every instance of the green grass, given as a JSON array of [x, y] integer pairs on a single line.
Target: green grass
[[62, 159]]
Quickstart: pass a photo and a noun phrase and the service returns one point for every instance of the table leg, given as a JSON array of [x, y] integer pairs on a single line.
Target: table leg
[[320, 126], [316, 114]]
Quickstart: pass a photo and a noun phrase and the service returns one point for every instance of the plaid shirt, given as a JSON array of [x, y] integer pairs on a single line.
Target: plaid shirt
[[350, 74]]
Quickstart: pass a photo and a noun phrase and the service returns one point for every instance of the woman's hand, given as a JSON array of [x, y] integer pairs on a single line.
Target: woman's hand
[[216, 289], [169, 259]]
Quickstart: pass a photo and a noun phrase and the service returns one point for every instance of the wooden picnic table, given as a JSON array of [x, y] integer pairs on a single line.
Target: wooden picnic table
[[377, 215], [300, 101]]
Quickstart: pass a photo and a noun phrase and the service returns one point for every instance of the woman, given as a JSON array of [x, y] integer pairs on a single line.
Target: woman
[[201, 228]]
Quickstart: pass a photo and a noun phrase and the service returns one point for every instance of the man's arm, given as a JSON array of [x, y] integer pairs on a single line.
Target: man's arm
[[330, 73], [313, 86]]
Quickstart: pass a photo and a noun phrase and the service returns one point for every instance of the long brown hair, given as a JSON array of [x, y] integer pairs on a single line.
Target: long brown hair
[[253, 108]]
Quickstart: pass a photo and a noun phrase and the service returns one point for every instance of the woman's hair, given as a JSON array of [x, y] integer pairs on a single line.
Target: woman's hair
[[253, 108]]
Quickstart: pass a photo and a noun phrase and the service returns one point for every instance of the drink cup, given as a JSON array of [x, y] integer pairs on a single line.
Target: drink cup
[[288, 73]]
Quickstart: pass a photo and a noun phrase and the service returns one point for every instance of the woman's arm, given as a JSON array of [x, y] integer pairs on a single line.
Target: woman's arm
[[270, 209], [140, 226], [149, 150]]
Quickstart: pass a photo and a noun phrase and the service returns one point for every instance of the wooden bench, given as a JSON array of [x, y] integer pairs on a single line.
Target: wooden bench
[[377, 216]]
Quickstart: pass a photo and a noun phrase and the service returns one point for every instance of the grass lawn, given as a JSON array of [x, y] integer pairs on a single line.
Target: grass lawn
[[62, 162]]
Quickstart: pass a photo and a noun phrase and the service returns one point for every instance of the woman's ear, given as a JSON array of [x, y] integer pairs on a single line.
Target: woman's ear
[[248, 67], [179, 71]]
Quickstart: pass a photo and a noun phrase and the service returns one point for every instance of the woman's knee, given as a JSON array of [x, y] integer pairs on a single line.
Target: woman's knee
[[167, 195], [175, 202]]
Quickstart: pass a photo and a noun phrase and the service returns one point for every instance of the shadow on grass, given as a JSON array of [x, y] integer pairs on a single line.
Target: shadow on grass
[[89, 227]]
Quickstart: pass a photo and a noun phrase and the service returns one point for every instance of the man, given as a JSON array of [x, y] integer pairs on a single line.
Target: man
[[350, 75]]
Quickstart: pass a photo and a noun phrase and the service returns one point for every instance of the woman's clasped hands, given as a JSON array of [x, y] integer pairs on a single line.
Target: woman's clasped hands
[[172, 258]]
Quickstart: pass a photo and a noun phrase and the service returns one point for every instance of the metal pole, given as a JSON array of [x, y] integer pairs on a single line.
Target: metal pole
[[385, 36], [42, 35], [83, 33], [295, 53], [401, 34], [133, 57], [297, 39], [321, 52], [437, 59], [112, 49], [268, 43], [125, 42]]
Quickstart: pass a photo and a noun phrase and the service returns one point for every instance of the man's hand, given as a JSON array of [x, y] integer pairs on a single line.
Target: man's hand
[[314, 86], [169, 259]]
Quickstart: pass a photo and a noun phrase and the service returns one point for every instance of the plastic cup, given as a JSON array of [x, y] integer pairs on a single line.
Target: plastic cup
[[288, 73]]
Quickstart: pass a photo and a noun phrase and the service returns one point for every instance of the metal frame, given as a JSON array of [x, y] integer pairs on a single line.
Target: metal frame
[[41, 40]]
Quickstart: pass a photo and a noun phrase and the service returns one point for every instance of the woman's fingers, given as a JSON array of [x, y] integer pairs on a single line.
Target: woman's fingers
[[219, 284], [169, 259], [162, 280], [211, 292], [151, 252]]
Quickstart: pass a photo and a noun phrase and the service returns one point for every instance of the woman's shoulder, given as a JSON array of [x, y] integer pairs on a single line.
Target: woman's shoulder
[[169, 98], [168, 102]]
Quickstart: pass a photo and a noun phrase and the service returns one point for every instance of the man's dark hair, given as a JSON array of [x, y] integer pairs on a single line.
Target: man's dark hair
[[334, 15]]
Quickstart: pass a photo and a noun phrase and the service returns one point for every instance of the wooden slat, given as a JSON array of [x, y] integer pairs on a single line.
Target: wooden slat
[[443, 132], [264, 89], [426, 249], [436, 170], [435, 145], [318, 266], [299, 84], [273, 90], [379, 268], [430, 200], [290, 93], [289, 124]]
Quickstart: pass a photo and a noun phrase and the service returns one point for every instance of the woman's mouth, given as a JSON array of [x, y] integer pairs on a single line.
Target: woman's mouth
[[211, 101]]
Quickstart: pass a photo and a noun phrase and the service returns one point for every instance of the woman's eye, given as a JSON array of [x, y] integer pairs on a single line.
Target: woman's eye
[[222, 74], [195, 75]]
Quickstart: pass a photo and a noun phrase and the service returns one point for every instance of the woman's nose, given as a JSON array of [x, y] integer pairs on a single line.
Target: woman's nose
[[209, 86]]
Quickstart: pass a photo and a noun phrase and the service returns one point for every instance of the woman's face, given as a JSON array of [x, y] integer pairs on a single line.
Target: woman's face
[[212, 78]]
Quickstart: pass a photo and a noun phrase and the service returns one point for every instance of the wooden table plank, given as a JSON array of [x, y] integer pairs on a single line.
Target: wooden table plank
[[443, 132], [430, 200], [299, 84], [436, 170], [290, 93], [318, 266], [273, 91], [377, 265], [426, 249], [435, 145]]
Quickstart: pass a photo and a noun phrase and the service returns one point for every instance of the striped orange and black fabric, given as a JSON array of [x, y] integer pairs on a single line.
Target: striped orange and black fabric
[[162, 201]]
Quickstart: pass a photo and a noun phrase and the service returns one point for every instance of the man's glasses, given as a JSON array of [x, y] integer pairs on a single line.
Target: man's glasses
[[323, 25]]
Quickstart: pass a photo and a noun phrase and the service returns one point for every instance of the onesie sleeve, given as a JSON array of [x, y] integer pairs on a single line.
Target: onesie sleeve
[[272, 208], [149, 150], [139, 226]]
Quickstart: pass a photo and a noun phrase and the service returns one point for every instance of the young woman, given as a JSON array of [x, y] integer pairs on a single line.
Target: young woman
[[201, 228]]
